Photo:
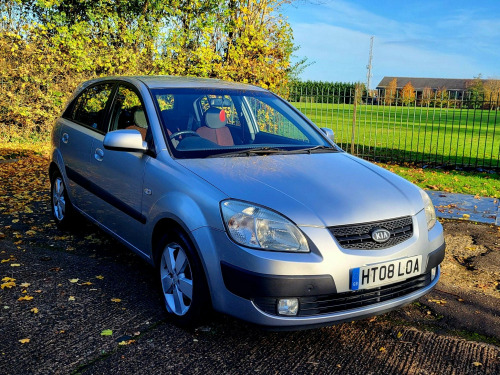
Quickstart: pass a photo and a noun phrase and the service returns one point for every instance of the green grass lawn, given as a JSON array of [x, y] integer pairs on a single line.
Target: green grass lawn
[[413, 134], [483, 184]]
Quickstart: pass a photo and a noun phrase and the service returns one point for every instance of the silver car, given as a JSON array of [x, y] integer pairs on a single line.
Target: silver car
[[241, 203]]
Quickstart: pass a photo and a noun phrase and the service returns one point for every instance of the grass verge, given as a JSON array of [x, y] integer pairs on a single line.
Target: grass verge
[[485, 184]]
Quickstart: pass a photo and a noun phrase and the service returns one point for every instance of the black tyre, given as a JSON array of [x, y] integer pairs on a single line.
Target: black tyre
[[182, 279]]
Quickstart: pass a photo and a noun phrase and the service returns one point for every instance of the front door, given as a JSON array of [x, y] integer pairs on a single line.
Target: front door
[[119, 174]]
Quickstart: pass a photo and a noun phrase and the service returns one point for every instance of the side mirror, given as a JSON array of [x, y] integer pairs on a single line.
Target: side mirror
[[125, 140], [329, 133]]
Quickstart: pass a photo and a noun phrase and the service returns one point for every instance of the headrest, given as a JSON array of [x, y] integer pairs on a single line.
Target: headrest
[[215, 118], [140, 119]]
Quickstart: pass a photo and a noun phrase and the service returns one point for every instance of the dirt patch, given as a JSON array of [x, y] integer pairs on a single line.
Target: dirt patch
[[472, 260]]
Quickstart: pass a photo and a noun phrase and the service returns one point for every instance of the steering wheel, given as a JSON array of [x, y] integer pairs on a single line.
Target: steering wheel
[[184, 132]]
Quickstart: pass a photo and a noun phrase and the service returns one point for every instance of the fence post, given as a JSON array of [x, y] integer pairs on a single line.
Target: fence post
[[353, 133]]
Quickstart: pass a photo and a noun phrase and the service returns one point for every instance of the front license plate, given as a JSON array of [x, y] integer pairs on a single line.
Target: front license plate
[[384, 273]]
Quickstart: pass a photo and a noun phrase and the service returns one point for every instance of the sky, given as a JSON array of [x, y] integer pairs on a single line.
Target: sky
[[426, 38]]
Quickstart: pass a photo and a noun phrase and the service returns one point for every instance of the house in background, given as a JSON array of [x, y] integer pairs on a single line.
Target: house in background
[[455, 86]]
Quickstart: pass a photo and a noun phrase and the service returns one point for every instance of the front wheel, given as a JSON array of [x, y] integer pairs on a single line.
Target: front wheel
[[182, 281]]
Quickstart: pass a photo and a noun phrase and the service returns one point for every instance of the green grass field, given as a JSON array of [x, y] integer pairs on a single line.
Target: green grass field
[[438, 136]]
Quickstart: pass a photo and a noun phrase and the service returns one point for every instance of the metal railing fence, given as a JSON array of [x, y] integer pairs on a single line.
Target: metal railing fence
[[458, 129]]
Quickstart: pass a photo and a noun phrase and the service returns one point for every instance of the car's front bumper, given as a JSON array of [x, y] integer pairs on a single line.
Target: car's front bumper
[[247, 283]]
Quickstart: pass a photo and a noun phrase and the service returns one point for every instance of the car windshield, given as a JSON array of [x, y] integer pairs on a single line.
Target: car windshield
[[229, 123]]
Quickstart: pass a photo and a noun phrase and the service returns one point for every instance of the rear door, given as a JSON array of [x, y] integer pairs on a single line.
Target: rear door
[[82, 122]]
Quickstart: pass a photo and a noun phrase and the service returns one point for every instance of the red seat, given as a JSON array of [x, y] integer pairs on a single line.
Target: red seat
[[140, 123], [215, 129]]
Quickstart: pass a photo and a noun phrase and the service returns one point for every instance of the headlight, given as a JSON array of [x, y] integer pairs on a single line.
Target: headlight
[[258, 227], [430, 213]]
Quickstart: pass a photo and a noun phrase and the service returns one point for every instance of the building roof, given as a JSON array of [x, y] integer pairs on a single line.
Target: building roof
[[434, 83]]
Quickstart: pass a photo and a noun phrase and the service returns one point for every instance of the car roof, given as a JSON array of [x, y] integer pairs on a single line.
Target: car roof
[[154, 82]]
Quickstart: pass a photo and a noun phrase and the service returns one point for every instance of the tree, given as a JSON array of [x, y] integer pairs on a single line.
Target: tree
[[238, 40], [475, 92], [441, 97], [407, 94], [427, 95], [48, 47], [492, 93], [390, 91]]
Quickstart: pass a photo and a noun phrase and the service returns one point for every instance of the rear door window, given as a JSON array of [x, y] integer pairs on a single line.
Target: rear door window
[[89, 107]]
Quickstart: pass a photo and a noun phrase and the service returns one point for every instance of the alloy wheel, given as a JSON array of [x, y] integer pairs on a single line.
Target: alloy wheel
[[58, 199], [176, 279]]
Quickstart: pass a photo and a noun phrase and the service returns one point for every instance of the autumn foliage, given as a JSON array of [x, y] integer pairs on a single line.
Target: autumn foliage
[[407, 94], [48, 47], [391, 92]]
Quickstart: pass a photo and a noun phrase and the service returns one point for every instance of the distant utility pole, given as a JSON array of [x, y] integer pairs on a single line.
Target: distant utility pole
[[369, 66]]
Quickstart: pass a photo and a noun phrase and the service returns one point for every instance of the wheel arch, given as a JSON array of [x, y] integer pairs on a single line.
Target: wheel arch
[[168, 224], [53, 167]]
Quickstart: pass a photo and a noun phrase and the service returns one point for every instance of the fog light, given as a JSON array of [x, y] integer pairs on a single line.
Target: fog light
[[288, 306], [433, 273]]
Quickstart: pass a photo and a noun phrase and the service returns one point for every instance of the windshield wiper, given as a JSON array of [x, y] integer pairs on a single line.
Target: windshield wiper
[[266, 150], [310, 150], [251, 151]]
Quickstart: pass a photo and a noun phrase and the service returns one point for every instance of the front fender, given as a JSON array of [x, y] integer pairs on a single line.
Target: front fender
[[181, 208]]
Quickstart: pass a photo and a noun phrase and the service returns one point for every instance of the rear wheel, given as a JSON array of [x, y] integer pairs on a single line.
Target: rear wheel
[[182, 279], [62, 210]]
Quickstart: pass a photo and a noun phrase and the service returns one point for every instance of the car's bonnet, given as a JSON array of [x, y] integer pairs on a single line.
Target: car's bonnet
[[323, 189]]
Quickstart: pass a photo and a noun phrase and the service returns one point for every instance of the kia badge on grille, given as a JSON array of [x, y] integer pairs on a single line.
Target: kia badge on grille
[[381, 235]]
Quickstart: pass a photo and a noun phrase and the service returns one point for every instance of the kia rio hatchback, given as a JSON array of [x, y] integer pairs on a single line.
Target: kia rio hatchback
[[241, 203]]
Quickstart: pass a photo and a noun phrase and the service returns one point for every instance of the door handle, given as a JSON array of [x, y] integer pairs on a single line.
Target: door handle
[[99, 154], [65, 138]]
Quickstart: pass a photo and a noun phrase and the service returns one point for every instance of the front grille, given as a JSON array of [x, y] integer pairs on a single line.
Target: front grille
[[330, 303], [359, 236]]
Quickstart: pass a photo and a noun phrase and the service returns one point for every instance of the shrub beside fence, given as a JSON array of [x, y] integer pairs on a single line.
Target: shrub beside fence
[[459, 131]]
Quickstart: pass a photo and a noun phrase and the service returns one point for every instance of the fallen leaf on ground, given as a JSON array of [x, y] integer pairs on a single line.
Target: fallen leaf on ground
[[382, 349], [86, 283], [438, 301], [106, 332], [25, 285], [25, 298], [73, 280], [477, 364], [34, 310], [115, 300], [24, 341], [15, 265], [399, 335], [100, 277], [7, 279], [126, 342], [71, 298], [8, 284]]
